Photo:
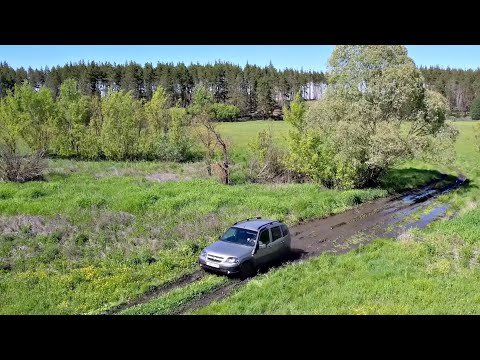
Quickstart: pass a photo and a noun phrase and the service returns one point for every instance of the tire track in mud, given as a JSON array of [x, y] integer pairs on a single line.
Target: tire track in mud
[[215, 295], [333, 234], [157, 291]]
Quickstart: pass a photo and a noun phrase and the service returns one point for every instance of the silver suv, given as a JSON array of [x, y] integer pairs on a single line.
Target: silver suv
[[247, 245]]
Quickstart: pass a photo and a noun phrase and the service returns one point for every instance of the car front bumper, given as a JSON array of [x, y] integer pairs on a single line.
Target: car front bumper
[[224, 269]]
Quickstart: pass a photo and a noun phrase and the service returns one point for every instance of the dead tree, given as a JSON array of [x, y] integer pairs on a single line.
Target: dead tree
[[225, 163]]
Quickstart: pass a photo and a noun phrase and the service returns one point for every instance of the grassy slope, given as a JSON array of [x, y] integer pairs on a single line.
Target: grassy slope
[[103, 223], [432, 271]]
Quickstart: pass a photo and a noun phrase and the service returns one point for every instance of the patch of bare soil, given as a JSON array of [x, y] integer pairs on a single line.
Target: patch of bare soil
[[34, 225]]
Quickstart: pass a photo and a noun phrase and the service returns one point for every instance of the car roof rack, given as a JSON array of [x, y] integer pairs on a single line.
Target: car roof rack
[[271, 222], [254, 218]]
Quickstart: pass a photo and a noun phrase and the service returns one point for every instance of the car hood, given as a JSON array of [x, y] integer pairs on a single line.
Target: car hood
[[223, 248]]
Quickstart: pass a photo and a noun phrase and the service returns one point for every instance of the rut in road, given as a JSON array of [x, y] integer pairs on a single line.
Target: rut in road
[[157, 291]]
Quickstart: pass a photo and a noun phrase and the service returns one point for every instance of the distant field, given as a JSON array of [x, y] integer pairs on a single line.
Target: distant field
[[431, 271], [241, 133]]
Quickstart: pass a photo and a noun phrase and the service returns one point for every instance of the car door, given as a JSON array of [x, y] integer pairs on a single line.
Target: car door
[[277, 245], [287, 240], [263, 254]]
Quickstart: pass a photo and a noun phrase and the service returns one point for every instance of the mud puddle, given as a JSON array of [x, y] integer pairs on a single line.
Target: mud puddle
[[380, 218]]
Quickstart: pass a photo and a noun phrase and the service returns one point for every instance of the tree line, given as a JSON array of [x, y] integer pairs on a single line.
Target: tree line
[[460, 87], [252, 89]]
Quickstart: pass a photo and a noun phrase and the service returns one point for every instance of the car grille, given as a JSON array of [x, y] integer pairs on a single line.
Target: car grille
[[215, 258]]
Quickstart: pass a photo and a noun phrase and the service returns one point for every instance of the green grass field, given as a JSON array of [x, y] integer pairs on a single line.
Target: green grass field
[[96, 234], [430, 271], [241, 134]]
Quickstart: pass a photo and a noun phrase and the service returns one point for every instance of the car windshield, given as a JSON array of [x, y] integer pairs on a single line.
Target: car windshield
[[240, 236]]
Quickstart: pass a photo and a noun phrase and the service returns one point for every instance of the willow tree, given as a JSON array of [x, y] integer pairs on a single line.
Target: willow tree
[[122, 125], [375, 113], [25, 132]]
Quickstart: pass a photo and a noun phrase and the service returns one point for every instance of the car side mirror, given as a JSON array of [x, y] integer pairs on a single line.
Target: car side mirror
[[261, 245]]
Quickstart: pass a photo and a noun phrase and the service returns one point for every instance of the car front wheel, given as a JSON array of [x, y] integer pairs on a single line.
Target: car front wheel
[[247, 270]]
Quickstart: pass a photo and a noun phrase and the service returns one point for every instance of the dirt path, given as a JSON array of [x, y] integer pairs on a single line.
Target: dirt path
[[381, 218], [337, 233]]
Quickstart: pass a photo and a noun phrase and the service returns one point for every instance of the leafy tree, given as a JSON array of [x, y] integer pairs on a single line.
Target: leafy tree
[[39, 109], [121, 126], [20, 160], [72, 120], [375, 113], [91, 143], [309, 152], [156, 112], [12, 123], [475, 109]]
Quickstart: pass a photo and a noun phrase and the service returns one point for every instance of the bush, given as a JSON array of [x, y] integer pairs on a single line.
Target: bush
[[17, 168], [268, 164], [224, 112]]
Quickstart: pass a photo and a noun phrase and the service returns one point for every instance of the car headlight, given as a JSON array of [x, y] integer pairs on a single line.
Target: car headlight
[[232, 260], [203, 253]]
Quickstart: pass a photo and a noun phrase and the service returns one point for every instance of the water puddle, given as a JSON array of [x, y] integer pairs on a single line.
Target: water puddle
[[413, 203], [428, 218], [417, 198]]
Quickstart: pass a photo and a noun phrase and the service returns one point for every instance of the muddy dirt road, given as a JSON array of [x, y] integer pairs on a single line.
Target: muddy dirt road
[[381, 218], [339, 233]]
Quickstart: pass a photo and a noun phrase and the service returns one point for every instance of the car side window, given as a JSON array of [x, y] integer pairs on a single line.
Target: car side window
[[265, 237], [276, 233], [284, 229]]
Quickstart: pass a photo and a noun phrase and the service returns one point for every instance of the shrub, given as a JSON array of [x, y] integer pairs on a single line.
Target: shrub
[[224, 112], [268, 164], [17, 168]]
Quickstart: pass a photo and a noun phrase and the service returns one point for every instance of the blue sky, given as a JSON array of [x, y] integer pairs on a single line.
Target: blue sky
[[308, 57]]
